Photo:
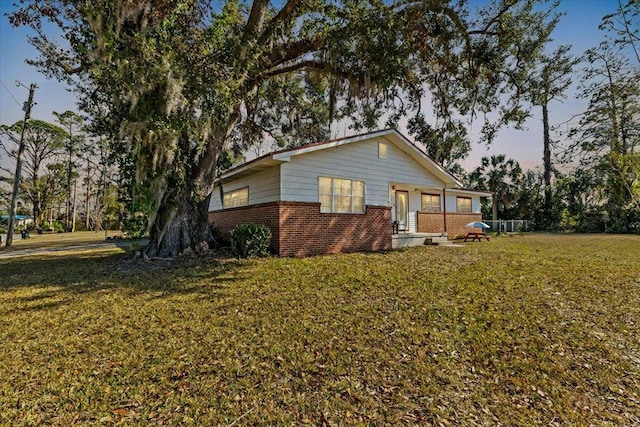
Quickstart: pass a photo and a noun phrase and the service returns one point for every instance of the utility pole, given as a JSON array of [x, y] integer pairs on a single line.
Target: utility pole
[[16, 180]]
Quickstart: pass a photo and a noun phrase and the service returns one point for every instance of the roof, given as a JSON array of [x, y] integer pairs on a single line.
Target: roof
[[391, 135], [469, 191], [18, 217]]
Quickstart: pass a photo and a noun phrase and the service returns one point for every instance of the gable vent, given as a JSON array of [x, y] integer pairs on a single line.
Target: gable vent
[[382, 150]]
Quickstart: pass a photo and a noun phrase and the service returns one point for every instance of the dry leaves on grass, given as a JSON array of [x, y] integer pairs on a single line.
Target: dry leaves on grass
[[533, 330]]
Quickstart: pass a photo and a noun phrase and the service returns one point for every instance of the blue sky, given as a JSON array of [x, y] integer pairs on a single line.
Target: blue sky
[[579, 28]]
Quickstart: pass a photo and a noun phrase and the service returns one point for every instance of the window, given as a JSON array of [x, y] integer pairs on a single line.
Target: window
[[430, 203], [239, 197], [340, 195], [382, 150], [463, 204]]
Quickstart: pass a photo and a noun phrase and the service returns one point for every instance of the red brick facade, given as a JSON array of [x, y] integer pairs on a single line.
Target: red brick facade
[[300, 229], [266, 213], [433, 222]]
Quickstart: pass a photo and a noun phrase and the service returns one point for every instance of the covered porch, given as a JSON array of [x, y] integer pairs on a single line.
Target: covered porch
[[427, 210]]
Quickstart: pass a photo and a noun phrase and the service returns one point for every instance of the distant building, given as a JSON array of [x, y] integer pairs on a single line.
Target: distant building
[[19, 220]]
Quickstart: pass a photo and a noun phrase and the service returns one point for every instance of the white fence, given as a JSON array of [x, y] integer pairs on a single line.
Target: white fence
[[509, 225]]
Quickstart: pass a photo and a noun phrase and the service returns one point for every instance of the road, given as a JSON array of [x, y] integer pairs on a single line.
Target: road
[[77, 247]]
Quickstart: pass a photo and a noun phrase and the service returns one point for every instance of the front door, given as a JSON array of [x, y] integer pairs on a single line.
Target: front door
[[402, 210]]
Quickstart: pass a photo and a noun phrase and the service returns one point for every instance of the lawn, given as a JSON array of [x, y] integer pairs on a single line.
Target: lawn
[[523, 330]]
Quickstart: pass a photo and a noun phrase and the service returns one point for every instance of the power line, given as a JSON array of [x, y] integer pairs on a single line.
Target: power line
[[14, 98]]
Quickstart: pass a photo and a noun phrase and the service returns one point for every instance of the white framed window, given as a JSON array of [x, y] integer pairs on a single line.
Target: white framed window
[[430, 202], [382, 150], [340, 195], [463, 204], [233, 198]]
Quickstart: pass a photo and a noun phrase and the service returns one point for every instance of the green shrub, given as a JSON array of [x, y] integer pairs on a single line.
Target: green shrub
[[250, 240], [55, 226], [135, 226]]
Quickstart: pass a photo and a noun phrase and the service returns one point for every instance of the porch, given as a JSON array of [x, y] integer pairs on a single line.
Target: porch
[[429, 208], [439, 226]]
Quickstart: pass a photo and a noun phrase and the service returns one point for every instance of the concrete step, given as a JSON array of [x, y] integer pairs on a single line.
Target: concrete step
[[436, 240], [418, 239]]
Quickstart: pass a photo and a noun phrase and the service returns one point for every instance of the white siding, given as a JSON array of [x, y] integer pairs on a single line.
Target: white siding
[[263, 186], [358, 160], [476, 206], [297, 179]]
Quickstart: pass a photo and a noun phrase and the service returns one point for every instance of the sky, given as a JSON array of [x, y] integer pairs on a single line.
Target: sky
[[578, 28]]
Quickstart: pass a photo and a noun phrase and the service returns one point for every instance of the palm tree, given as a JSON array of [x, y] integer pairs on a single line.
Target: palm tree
[[499, 176]]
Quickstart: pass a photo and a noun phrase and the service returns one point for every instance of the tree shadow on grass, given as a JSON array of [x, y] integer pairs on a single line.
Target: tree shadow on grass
[[37, 283]]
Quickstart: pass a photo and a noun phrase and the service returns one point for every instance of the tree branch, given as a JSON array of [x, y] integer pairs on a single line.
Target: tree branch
[[51, 55], [254, 23], [276, 71], [282, 16], [285, 12], [453, 17], [317, 65], [495, 19], [293, 50]]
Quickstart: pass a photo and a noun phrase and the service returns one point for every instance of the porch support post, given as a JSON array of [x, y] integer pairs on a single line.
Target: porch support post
[[444, 208]]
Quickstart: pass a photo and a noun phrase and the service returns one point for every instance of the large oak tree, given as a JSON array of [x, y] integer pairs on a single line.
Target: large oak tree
[[181, 80]]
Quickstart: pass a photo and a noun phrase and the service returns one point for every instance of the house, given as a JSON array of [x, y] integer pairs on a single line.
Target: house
[[368, 192], [19, 221]]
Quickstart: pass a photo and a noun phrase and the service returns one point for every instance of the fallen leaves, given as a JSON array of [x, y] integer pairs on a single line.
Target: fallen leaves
[[531, 331]]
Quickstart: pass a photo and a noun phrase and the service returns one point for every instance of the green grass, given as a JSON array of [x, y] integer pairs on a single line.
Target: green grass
[[533, 330]]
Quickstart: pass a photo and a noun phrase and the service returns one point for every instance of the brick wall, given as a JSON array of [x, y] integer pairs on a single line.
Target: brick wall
[[305, 231], [433, 222], [430, 222], [456, 223], [300, 229], [265, 213]]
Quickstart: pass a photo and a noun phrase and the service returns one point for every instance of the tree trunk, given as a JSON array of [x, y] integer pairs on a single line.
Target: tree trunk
[[87, 202], [182, 220], [67, 227], [74, 206], [37, 210], [547, 162], [494, 207], [180, 225]]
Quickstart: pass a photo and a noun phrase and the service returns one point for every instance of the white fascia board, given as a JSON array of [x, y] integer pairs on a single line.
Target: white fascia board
[[322, 146], [266, 161], [469, 192]]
